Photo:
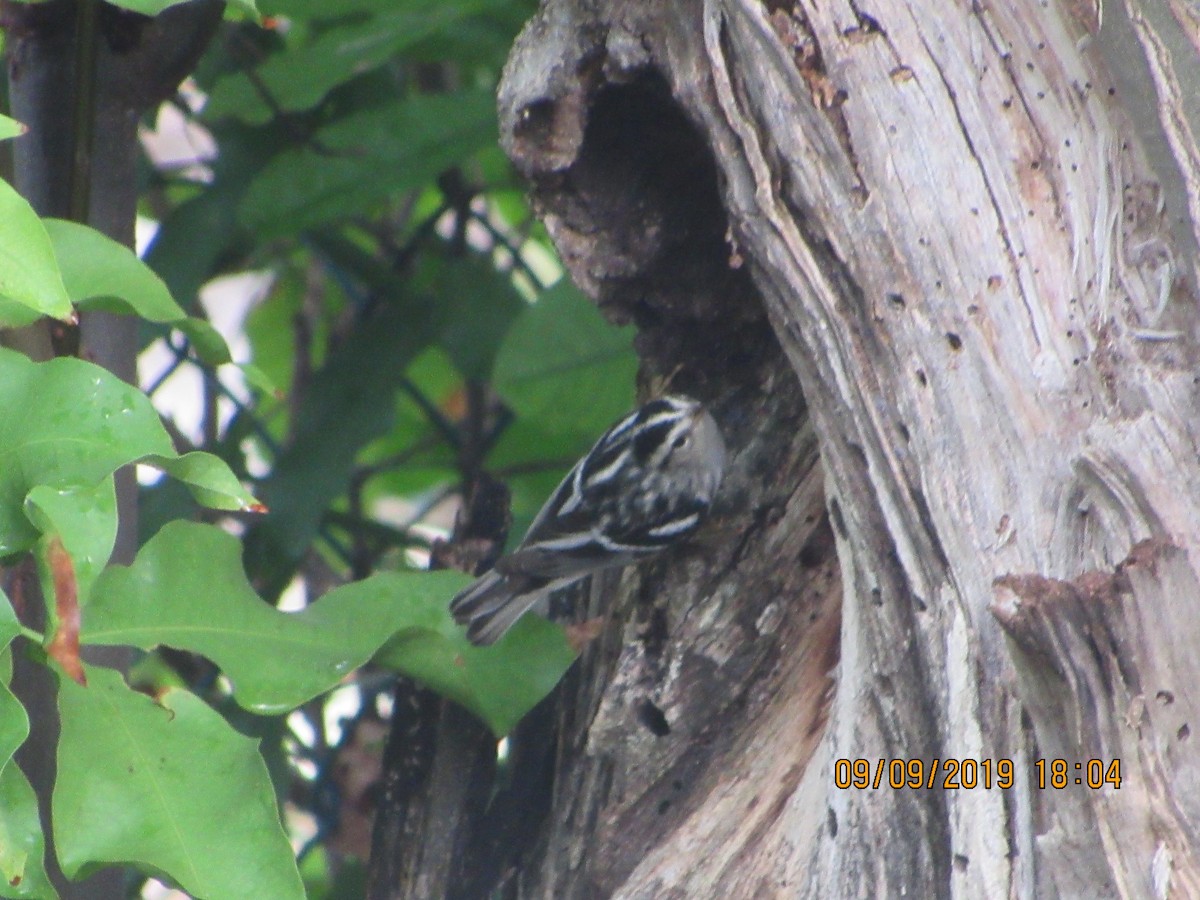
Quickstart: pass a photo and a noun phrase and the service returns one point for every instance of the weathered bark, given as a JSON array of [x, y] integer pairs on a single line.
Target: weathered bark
[[984, 285]]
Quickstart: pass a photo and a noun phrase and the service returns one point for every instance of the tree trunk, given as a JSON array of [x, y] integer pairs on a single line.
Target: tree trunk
[[973, 251]]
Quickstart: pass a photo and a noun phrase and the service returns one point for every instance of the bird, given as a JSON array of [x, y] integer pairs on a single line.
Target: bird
[[648, 482]]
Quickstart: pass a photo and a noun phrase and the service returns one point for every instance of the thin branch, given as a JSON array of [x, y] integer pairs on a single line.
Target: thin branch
[[534, 467], [242, 410], [177, 360], [367, 472], [340, 550], [385, 535], [288, 121], [506, 243], [400, 257], [303, 328], [361, 558], [429, 503], [210, 420], [180, 441], [447, 428]]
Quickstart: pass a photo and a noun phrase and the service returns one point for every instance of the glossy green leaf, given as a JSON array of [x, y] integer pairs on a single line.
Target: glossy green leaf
[[14, 724], [299, 77], [355, 163], [565, 368], [95, 267], [500, 684], [67, 423], [206, 341], [187, 590], [30, 283], [85, 518], [101, 274], [10, 128], [170, 786], [22, 843], [211, 481]]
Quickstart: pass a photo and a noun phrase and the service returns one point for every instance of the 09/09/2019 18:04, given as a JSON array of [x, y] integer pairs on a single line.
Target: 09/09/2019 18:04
[[968, 774]]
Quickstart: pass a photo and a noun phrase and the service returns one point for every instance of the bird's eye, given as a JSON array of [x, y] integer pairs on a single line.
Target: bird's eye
[[680, 441]]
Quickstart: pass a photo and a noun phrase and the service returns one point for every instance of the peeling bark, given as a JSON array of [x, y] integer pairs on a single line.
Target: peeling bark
[[1097, 685], [940, 222]]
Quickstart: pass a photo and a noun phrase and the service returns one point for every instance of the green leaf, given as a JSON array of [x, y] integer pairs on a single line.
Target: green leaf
[[330, 9], [68, 424], [271, 329], [22, 844], [435, 377], [169, 786], [154, 7], [259, 380], [349, 402], [548, 458], [147, 7], [500, 684], [85, 518], [478, 304], [30, 283], [10, 128], [95, 267], [198, 237], [14, 724], [562, 366], [568, 375], [206, 341], [187, 590], [355, 163], [299, 77], [101, 274], [248, 9], [211, 481]]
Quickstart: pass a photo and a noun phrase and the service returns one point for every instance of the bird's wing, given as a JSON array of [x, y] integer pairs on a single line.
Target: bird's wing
[[573, 553], [574, 532]]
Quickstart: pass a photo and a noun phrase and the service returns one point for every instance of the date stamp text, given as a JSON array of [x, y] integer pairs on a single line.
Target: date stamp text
[[969, 774]]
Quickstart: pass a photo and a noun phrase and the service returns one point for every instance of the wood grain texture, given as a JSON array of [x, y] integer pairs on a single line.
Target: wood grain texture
[[982, 287]]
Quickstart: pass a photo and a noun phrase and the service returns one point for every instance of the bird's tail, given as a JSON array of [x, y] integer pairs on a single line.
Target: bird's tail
[[492, 604]]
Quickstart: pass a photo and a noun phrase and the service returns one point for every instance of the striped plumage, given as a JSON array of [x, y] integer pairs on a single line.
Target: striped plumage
[[645, 484]]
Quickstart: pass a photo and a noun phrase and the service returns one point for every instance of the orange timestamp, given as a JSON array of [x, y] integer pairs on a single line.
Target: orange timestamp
[[969, 774], [1059, 773]]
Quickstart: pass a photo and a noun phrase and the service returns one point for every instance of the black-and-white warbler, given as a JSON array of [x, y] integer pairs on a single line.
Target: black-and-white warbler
[[646, 483]]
